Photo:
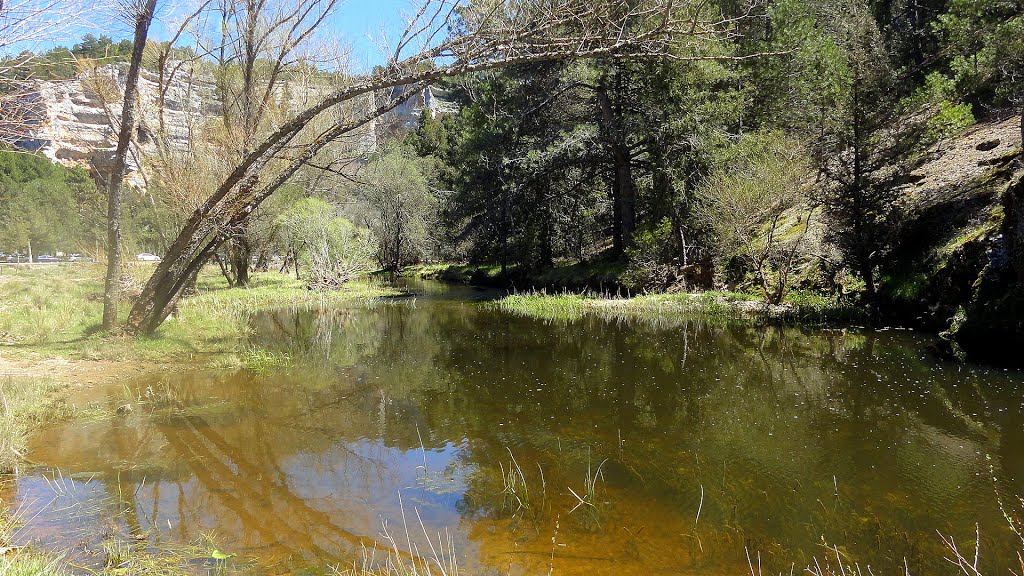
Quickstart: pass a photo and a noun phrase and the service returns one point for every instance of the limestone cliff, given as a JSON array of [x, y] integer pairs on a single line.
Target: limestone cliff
[[73, 121]]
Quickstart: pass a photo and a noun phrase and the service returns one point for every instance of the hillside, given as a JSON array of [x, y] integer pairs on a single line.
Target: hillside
[[959, 261]]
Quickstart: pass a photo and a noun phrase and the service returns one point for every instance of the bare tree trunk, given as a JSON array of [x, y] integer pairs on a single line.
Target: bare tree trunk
[[867, 273], [111, 291], [623, 188], [240, 256]]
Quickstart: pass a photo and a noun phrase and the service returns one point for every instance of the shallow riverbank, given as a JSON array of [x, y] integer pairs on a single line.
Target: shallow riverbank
[[568, 292], [716, 437], [722, 307], [49, 319], [52, 359]]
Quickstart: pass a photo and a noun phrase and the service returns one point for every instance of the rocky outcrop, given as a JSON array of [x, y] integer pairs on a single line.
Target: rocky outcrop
[[959, 263], [74, 124], [990, 326], [431, 101], [74, 121]]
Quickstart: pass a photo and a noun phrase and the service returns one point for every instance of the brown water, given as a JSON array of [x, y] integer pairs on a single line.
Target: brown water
[[780, 440]]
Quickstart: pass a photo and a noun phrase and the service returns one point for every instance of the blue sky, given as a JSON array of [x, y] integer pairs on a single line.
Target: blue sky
[[356, 23], [358, 20]]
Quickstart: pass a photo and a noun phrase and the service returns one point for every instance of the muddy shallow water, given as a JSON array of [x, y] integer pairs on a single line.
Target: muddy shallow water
[[589, 447]]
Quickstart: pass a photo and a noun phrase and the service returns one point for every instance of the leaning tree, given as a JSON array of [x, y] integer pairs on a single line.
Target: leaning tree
[[444, 38]]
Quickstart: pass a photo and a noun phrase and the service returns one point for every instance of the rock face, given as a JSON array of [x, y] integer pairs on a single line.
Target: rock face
[[990, 326], [431, 100], [959, 268], [73, 124]]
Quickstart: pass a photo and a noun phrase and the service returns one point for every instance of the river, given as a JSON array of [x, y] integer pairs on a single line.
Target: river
[[527, 447]]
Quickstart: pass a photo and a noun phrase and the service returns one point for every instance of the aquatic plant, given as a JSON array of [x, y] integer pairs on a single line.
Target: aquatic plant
[[545, 307], [23, 562], [516, 494], [261, 360], [588, 500], [443, 558], [719, 308]]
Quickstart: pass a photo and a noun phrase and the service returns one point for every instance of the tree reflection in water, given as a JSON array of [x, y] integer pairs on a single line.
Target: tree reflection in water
[[786, 439]]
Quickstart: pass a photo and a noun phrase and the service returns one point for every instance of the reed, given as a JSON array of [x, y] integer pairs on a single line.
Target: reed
[[434, 555], [587, 501], [516, 492], [713, 307]]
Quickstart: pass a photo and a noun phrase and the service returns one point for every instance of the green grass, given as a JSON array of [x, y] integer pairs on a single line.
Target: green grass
[[26, 404], [716, 307], [44, 304], [599, 275], [545, 307], [260, 360], [966, 237], [907, 287], [31, 563], [466, 273], [55, 311]]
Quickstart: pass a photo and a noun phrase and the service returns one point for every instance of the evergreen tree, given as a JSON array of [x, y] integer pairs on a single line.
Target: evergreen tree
[[987, 40]]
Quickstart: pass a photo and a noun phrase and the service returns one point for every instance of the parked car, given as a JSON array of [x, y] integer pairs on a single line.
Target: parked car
[[147, 257], [80, 258], [46, 258]]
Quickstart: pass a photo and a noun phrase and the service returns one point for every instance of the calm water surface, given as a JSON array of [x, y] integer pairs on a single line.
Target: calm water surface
[[709, 441]]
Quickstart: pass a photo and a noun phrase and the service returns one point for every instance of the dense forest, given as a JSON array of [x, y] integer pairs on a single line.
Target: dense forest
[[664, 164], [770, 156]]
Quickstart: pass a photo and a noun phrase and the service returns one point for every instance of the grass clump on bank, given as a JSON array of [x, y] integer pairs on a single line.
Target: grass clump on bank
[[27, 403], [31, 563], [55, 311], [715, 306], [546, 307]]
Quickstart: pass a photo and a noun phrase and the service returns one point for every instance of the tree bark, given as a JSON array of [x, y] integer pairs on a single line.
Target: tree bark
[[240, 256], [111, 289], [623, 188], [867, 273]]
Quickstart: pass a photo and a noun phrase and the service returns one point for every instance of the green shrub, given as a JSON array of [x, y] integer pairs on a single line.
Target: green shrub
[[651, 265], [950, 120]]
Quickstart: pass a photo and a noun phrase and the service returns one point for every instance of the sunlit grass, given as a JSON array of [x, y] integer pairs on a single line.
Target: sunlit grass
[[259, 360], [714, 307], [31, 563], [545, 307], [55, 311], [25, 404]]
